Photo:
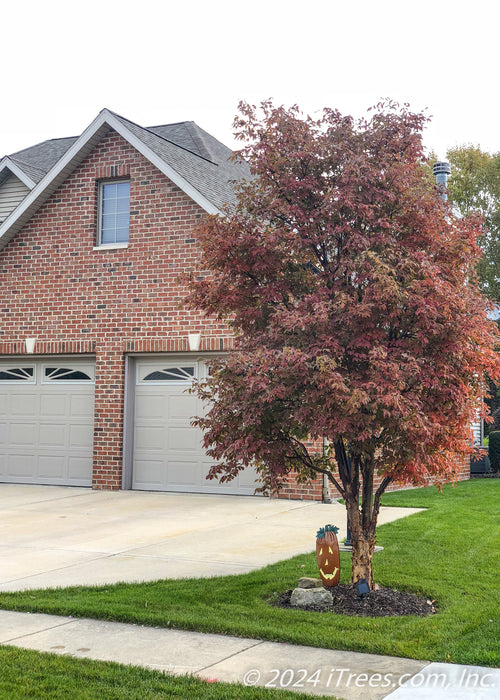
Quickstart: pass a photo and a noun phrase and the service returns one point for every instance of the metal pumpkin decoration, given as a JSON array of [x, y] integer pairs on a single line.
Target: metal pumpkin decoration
[[327, 554]]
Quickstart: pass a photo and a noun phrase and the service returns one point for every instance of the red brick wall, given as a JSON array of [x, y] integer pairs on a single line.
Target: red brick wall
[[72, 298], [313, 490]]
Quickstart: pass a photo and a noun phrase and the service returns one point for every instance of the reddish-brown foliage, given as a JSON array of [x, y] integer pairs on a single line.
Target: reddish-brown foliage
[[351, 288]]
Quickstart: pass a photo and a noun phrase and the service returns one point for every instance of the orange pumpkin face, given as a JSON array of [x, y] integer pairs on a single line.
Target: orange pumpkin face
[[327, 554]]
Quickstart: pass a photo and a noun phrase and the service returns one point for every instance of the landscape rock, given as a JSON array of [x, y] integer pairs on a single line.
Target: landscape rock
[[311, 598], [307, 582]]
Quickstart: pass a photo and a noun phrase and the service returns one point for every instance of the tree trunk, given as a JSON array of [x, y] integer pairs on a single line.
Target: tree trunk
[[362, 519], [362, 559], [363, 543]]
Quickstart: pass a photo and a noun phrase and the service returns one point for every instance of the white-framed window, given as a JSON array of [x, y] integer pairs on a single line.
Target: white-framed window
[[17, 374], [67, 374], [178, 374], [113, 212]]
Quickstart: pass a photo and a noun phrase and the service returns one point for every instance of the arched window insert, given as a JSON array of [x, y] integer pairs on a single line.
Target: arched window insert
[[171, 374], [65, 374], [17, 374]]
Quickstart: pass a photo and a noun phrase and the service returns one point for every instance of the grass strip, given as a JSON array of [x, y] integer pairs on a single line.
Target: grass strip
[[29, 674]]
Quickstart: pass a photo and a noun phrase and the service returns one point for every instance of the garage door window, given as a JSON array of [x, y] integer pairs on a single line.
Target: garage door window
[[65, 374], [17, 374], [182, 375]]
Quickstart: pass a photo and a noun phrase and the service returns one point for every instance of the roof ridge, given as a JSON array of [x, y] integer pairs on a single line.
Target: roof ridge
[[158, 136], [194, 130], [158, 126]]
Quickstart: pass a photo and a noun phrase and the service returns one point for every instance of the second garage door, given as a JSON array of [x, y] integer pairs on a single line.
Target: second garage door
[[168, 450]]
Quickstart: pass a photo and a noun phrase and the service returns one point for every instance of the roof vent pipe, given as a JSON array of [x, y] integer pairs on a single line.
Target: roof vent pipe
[[442, 171]]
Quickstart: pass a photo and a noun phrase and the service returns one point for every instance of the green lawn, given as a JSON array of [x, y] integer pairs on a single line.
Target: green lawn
[[448, 552], [29, 674]]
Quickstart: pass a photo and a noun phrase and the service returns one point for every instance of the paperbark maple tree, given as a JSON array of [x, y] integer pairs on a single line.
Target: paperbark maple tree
[[351, 290]]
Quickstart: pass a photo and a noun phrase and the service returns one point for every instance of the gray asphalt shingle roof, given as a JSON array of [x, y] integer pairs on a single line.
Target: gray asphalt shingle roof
[[43, 156], [31, 171], [199, 158]]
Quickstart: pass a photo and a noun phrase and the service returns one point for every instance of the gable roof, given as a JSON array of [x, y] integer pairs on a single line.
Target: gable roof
[[195, 161]]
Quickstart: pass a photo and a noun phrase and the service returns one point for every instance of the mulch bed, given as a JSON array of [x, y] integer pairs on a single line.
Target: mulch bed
[[383, 602]]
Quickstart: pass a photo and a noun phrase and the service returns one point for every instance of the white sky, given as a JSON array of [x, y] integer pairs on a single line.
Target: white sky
[[161, 61]]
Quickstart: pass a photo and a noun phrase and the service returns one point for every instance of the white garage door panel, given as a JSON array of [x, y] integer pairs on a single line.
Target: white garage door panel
[[182, 407], [47, 412], [22, 434], [184, 474], [78, 469], [168, 450], [149, 406], [52, 435], [184, 440], [149, 474], [20, 465], [81, 405], [23, 404], [80, 436], [50, 467]]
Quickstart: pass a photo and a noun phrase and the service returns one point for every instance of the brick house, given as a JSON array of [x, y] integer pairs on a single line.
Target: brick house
[[95, 354], [94, 233]]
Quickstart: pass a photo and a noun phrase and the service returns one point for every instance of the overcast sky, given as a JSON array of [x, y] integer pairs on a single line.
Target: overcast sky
[[159, 61]]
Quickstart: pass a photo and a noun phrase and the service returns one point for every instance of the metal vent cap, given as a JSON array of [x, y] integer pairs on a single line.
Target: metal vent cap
[[442, 168]]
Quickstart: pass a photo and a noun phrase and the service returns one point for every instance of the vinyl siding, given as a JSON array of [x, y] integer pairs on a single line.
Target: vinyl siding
[[12, 193]]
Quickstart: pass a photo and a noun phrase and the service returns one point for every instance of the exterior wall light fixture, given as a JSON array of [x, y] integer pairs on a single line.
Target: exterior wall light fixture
[[194, 340]]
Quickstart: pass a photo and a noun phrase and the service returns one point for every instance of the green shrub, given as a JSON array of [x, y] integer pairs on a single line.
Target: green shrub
[[494, 450]]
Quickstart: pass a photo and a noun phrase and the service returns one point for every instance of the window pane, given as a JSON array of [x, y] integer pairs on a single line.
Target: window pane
[[121, 235], [123, 189], [121, 220], [122, 204], [109, 190], [108, 221], [65, 374], [171, 374], [108, 206], [16, 374], [108, 236]]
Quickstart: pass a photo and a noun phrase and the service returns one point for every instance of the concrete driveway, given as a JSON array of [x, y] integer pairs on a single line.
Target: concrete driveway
[[64, 536]]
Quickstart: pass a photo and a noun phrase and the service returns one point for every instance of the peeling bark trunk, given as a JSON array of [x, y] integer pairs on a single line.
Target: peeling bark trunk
[[362, 518], [362, 558], [363, 544]]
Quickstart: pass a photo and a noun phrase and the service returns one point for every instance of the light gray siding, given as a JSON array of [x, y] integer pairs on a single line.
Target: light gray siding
[[12, 193]]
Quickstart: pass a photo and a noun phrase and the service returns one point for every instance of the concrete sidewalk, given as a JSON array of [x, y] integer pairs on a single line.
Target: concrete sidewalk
[[340, 674], [62, 536]]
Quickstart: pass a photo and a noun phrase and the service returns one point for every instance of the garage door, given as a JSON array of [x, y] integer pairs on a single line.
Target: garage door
[[46, 421], [168, 450]]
